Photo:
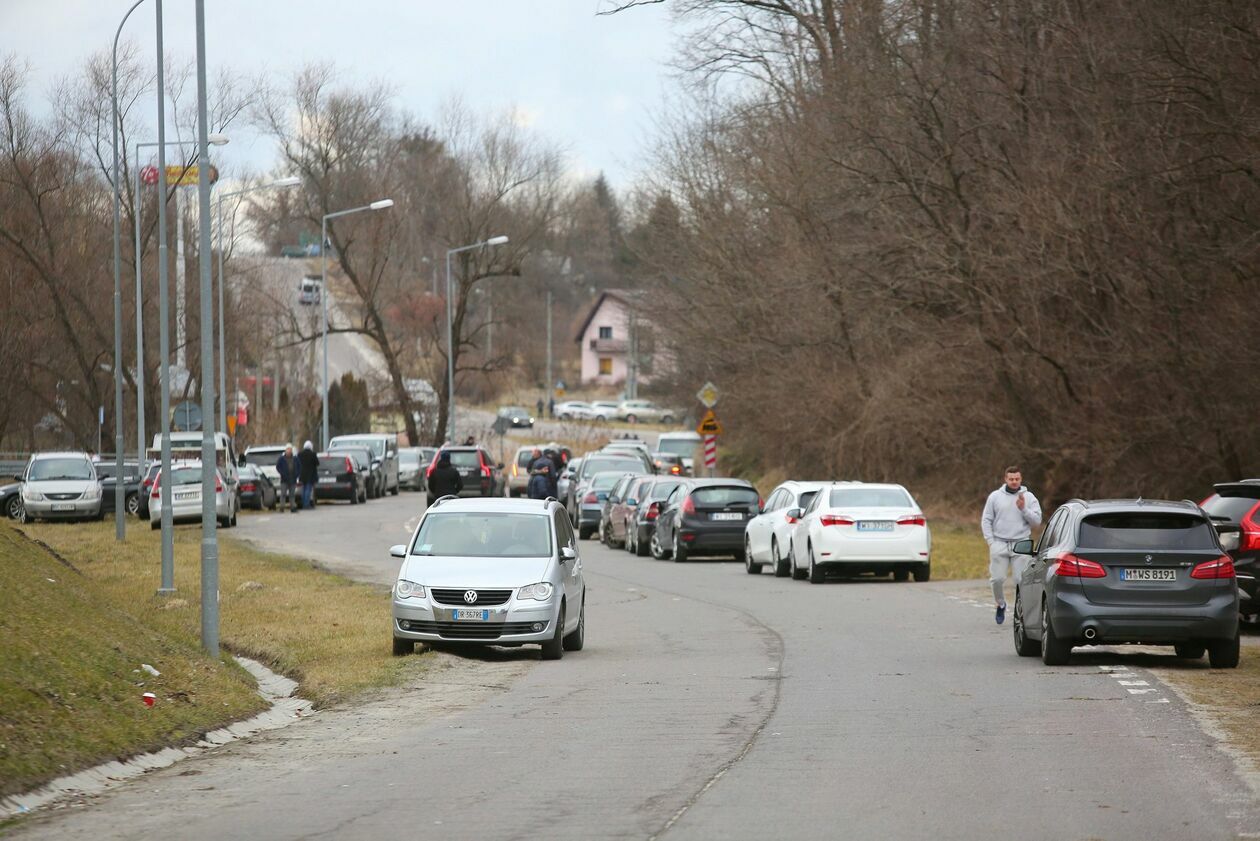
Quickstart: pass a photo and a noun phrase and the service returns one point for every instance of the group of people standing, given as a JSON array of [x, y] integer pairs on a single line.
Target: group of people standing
[[300, 471], [544, 473]]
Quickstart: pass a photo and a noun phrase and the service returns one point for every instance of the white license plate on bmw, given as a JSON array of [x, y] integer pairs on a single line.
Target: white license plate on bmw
[[875, 525], [728, 515], [1144, 574], [463, 615]]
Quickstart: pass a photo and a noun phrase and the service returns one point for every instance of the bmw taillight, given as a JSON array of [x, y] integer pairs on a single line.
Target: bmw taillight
[[654, 511], [689, 506], [1071, 565], [1222, 567], [912, 520], [835, 520]]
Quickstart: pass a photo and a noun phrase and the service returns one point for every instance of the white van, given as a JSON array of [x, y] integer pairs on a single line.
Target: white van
[[309, 289], [186, 446], [682, 444]]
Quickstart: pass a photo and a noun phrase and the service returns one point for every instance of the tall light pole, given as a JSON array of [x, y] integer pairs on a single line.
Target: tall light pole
[[120, 489], [291, 181], [164, 332], [450, 332], [380, 204], [137, 205]]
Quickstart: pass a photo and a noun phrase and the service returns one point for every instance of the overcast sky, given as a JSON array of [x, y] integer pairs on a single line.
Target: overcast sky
[[589, 83]]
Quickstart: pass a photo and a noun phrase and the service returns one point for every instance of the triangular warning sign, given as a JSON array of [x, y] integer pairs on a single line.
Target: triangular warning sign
[[709, 424]]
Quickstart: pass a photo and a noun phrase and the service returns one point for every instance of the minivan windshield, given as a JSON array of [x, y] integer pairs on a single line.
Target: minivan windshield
[[1141, 531], [49, 469], [869, 498], [484, 535]]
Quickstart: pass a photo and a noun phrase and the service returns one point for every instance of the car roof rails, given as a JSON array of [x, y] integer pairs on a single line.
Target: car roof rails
[[442, 499]]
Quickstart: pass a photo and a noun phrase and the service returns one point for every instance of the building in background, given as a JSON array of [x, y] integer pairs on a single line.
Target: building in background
[[616, 343]]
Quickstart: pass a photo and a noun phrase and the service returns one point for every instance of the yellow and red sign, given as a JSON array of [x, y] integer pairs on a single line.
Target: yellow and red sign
[[187, 176]]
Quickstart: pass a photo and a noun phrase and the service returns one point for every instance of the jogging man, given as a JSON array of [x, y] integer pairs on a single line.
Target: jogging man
[[1010, 514]]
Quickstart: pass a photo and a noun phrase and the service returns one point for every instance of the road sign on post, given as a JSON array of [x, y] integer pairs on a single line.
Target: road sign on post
[[708, 395], [709, 424]]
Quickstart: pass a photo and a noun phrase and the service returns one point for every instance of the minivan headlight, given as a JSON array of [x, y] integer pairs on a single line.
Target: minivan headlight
[[538, 592], [92, 492], [405, 589], [32, 496]]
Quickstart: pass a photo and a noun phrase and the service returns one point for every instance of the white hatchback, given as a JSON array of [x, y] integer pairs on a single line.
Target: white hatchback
[[856, 527], [768, 535]]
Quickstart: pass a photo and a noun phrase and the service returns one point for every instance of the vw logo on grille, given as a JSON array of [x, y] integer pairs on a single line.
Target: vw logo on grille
[[470, 596], [1149, 559]]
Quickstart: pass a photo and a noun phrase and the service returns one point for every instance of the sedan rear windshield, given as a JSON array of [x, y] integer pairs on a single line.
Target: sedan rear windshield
[[186, 475], [678, 446], [264, 459], [47, 469], [724, 496], [376, 445], [870, 498], [624, 465], [465, 458], [484, 535], [1229, 508], [1139, 531]]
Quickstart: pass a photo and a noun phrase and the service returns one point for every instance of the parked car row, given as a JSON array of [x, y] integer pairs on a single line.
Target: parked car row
[[630, 411]]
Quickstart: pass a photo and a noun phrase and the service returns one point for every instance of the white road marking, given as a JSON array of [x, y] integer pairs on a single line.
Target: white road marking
[[1133, 683], [1141, 691]]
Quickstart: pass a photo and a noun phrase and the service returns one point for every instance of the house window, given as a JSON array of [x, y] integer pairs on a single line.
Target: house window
[[605, 365], [605, 332]]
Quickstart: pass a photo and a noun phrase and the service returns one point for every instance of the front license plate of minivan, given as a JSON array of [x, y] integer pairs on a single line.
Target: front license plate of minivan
[[472, 615], [1143, 574], [728, 515]]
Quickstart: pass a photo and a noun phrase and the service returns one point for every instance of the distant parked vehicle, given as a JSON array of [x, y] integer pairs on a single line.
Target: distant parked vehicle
[[668, 463], [256, 489], [621, 462], [309, 290], [264, 457], [518, 475], [1238, 504], [641, 523], [186, 496], [605, 410], [146, 487], [412, 462], [370, 470], [340, 477], [591, 495], [11, 500], [1115, 572], [682, 443], [60, 486], [131, 485], [856, 527], [768, 535], [384, 447], [478, 470], [566, 479], [705, 517], [644, 411], [574, 410], [615, 524], [518, 416]]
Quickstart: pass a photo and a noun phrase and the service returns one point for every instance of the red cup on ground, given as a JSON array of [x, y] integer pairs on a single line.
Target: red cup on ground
[[148, 698]]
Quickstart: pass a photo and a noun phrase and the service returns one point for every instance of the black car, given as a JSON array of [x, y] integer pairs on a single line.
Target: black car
[[481, 475], [341, 476], [1128, 571], [371, 469], [517, 416], [705, 517], [1238, 504], [11, 501], [642, 519], [255, 489], [131, 486]]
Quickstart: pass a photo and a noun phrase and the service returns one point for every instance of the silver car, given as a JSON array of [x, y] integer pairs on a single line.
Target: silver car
[[186, 496], [493, 571], [60, 486]]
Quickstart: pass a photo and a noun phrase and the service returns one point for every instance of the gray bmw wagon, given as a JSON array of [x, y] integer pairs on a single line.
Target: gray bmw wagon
[[1112, 572]]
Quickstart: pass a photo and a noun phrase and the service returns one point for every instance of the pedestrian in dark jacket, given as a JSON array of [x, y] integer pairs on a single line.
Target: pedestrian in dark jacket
[[539, 475], [287, 467], [445, 478], [308, 473], [553, 475]]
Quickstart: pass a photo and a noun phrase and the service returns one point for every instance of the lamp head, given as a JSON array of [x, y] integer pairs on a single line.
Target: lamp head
[[499, 240], [290, 181], [217, 139], [381, 204]]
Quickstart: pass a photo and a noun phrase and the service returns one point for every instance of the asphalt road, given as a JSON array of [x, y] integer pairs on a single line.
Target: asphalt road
[[708, 704]]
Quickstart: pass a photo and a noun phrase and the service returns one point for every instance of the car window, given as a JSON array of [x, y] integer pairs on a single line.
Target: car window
[[375, 445], [411, 458], [806, 498], [263, 458], [729, 495], [47, 469], [869, 498], [1054, 530], [679, 446], [662, 490], [185, 476], [484, 535], [564, 529], [524, 458], [464, 458], [624, 465], [813, 504], [604, 481], [1141, 531], [1229, 508]]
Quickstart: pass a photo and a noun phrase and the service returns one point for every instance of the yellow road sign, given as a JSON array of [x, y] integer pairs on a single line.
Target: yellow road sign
[[187, 176], [709, 424]]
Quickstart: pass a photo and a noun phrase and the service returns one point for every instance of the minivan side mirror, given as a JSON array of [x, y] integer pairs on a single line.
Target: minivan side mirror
[[1023, 547], [18, 477], [398, 551]]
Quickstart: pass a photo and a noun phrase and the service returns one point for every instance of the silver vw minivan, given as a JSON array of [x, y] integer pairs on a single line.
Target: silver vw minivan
[[494, 571]]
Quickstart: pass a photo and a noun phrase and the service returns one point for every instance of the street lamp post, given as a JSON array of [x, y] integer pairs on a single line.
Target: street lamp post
[[450, 332], [291, 181], [137, 205], [380, 204]]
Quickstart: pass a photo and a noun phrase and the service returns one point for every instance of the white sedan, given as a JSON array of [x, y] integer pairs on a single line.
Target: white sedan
[[574, 410], [767, 536], [855, 527]]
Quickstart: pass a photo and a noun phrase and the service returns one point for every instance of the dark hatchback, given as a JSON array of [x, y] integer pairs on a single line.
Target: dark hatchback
[[478, 471], [1113, 572], [255, 489], [1238, 504], [705, 517], [643, 515], [341, 477]]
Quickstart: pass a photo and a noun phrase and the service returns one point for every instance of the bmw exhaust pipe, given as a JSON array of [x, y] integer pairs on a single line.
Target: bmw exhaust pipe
[[1091, 633]]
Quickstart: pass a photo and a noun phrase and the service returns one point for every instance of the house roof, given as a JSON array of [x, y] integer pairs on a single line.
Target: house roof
[[628, 297]]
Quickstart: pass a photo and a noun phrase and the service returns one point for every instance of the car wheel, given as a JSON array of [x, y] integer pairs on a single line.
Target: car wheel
[[14, 508], [133, 504], [923, 572], [639, 549], [1223, 654], [901, 575], [403, 647], [1024, 646], [750, 567], [1054, 651], [781, 568], [816, 574], [679, 551], [798, 574], [658, 551], [577, 639], [667, 419], [1189, 650], [553, 649]]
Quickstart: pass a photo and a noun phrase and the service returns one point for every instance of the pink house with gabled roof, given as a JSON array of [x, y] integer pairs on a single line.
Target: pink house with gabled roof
[[611, 330]]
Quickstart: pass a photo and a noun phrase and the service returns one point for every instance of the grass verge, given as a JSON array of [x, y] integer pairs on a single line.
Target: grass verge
[[69, 695], [958, 551]]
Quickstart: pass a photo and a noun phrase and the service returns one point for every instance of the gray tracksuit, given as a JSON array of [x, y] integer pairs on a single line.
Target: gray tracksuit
[[1002, 524]]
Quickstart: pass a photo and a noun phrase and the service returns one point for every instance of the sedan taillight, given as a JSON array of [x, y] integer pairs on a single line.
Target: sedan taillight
[[835, 520], [912, 520], [654, 511]]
